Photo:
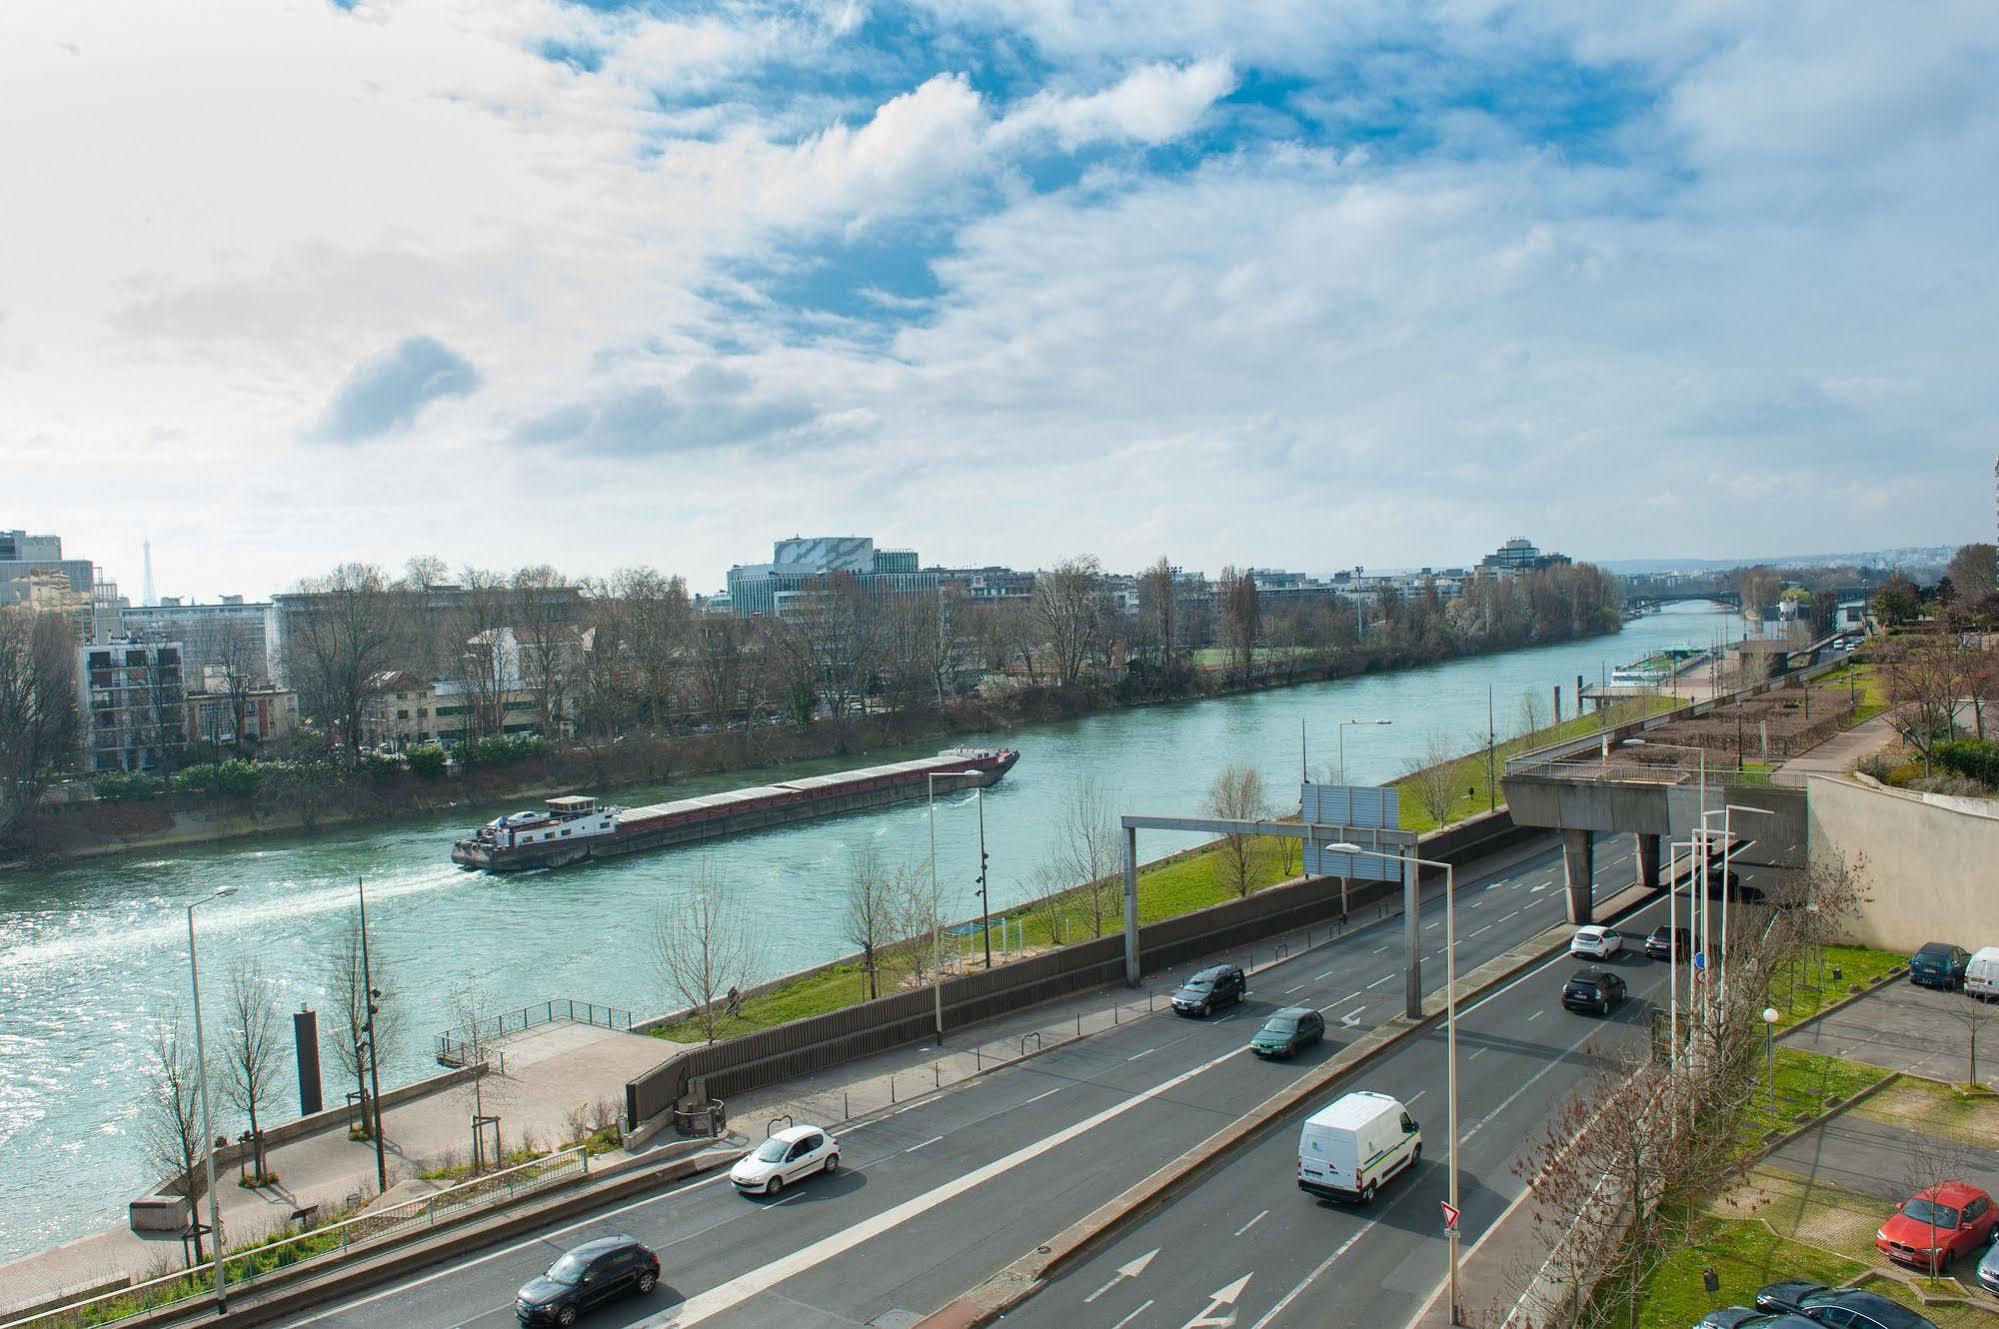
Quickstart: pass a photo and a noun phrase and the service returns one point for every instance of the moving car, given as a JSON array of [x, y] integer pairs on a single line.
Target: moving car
[[1593, 990], [1211, 989], [1596, 942], [1936, 1225], [1939, 965], [1981, 973], [1667, 943], [587, 1276], [1288, 1030], [1843, 1308], [790, 1155], [1347, 1149]]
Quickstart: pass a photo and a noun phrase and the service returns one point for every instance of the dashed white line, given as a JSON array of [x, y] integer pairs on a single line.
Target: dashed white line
[[1487, 928], [1134, 1315], [1252, 1223], [1300, 988], [1038, 1097], [925, 1145], [1148, 1052], [1379, 949], [1379, 981], [1476, 1055], [1535, 1016]]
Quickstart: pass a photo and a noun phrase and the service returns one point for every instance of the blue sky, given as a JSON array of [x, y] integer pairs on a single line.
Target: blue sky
[[1296, 285]]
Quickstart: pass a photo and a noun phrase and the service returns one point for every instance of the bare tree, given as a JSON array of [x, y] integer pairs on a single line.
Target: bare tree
[[38, 708], [1242, 617], [477, 1052], [1975, 572], [1157, 622], [483, 613], [1933, 1158], [240, 661], [1069, 611], [348, 994], [1053, 902], [1972, 1015], [1435, 777], [170, 1120], [1086, 855], [872, 911], [704, 946], [345, 628], [550, 650], [1530, 714], [1238, 795], [920, 899], [1927, 678], [253, 1049]]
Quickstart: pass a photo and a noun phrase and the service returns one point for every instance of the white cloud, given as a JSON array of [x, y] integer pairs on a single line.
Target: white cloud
[[1154, 104]]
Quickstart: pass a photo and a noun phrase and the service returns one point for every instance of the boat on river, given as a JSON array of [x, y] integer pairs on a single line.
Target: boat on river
[[575, 828]]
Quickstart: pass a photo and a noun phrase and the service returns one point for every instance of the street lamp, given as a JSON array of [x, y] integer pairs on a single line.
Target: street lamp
[[1727, 833], [1450, 1029], [1343, 742], [1770, 1050], [207, 1110], [1700, 855], [372, 1112]]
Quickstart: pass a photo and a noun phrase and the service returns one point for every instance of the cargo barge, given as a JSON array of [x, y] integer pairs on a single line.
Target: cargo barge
[[572, 829]]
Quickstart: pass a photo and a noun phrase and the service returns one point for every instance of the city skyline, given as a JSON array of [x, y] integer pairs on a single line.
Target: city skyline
[[1233, 284]]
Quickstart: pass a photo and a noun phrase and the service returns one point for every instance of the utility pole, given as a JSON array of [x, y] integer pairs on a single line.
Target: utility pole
[[985, 905], [374, 1066], [1491, 756]]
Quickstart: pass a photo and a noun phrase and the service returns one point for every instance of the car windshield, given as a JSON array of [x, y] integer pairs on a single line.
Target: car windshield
[[1933, 951], [1930, 1213], [1281, 1024], [771, 1151], [1199, 984], [568, 1270], [1582, 984]]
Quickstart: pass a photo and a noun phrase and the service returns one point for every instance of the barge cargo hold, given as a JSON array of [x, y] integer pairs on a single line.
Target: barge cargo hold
[[570, 830]]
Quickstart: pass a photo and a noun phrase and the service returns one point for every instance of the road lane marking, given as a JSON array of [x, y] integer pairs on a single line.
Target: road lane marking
[[1379, 981], [1378, 950], [1038, 1097], [1252, 1222], [726, 1296], [1129, 1269], [1292, 1295], [1514, 1097], [1535, 1016], [1146, 1306], [925, 1145], [1300, 988], [1418, 1094], [1148, 1052], [1486, 928], [1476, 1055]]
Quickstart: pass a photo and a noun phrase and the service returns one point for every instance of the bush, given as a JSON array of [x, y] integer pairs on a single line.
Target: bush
[[120, 787], [1878, 765], [1973, 758], [426, 761], [382, 765], [235, 778], [505, 751]]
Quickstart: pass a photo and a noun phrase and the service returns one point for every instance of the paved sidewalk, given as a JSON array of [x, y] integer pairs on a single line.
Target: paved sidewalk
[[1838, 754]]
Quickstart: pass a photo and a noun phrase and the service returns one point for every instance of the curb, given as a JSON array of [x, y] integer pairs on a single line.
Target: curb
[[1023, 1278], [1885, 980], [1770, 1147]]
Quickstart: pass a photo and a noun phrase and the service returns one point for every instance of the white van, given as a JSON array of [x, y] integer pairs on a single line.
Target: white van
[[1348, 1149], [1981, 973]]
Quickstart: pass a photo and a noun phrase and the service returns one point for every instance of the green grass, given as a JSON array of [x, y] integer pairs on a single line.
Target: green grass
[[1472, 768], [1746, 1256], [1798, 994], [1807, 1082], [1866, 680], [1217, 657]]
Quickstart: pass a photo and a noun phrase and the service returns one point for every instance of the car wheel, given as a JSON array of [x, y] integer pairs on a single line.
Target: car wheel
[[566, 1316], [832, 1164], [647, 1282], [774, 1185], [1367, 1193], [1416, 1156]]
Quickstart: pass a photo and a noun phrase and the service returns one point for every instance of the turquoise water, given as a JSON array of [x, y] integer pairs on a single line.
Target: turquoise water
[[85, 950]]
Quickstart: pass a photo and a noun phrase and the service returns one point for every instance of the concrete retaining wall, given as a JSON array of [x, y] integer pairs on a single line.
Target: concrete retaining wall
[[1933, 869]]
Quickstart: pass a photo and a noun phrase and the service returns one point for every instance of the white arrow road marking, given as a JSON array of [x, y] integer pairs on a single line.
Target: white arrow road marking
[[1352, 1017], [1129, 1269], [1220, 1297], [705, 1306]]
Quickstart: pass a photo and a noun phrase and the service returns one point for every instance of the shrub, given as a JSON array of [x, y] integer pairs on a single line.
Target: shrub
[[1878, 765], [236, 778], [505, 751], [426, 761], [1973, 758], [384, 764], [120, 786]]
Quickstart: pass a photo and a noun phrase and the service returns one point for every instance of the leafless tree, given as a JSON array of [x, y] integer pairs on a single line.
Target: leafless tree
[[1530, 714], [550, 649], [1435, 777], [38, 708], [1086, 855], [348, 626], [1054, 901], [430, 652], [920, 899], [347, 1018], [1972, 1015], [1238, 794], [1759, 588], [484, 612], [479, 1053], [253, 1049], [1975, 573], [1933, 1158], [170, 1120], [1241, 615], [1927, 678], [240, 663], [1157, 620], [704, 946], [872, 911], [840, 629], [1069, 611]]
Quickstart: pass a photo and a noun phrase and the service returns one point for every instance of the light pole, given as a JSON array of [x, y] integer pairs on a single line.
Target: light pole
[[985, 905], [1450, 1034], [1343, 742], [1700, 842], [1770, 1050], [1727, 834], [207, 1110], [368, 1005], [936, 911]]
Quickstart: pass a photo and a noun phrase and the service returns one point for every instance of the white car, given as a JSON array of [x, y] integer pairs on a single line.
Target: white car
[[1596, 943], [786, 1157]]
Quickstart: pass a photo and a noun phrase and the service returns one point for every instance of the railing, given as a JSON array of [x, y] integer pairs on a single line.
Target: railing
[[457, 1047], [244, 1268]]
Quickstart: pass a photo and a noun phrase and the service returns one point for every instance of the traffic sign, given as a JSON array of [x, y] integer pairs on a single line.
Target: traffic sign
[[1700, 959], [1450, 1215]]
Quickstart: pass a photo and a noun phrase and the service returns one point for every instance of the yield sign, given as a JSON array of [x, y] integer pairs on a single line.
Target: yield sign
[[1450, 1215]]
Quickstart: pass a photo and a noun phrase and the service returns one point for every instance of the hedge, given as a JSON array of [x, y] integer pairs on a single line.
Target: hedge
[[1974, 758]]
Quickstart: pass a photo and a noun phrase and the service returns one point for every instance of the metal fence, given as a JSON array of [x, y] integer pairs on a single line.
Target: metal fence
[[456, 1047], [245, 1268]]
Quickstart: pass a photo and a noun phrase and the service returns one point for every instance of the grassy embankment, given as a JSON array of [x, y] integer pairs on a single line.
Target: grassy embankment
[[1865, 680]]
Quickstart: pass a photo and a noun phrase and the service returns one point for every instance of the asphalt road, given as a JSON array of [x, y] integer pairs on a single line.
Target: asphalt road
[[1247, 1243], [951, 1188]]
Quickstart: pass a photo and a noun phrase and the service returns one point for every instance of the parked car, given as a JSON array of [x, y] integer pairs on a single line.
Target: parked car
[[1668, 943], [1593, 990], [1747, 1317], [1840, 1307], [1981, 973], [1988, 1268], [1936, 1225], [1287, 1031], [1939, 965], [1596, 942], [1211, 989], [790, 1155], [587, 1276]]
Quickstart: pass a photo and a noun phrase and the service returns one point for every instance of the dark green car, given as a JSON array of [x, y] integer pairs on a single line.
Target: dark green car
[[1288, 1030]]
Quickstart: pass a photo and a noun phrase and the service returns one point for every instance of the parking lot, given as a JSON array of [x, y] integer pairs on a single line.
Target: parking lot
[[1903, 1027]]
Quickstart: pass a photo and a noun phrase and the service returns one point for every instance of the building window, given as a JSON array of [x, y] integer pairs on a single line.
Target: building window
[[402, 715]]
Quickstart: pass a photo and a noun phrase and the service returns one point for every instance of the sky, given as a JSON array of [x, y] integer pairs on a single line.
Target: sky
[[285, 283]]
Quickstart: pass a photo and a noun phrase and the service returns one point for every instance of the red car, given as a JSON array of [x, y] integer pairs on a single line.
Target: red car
[[1936, 1226]]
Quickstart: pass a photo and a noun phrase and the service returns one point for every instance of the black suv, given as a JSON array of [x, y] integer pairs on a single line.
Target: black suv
[[1596, 990], [1667, 943], [1844, 1308], [588, 1276], [1211, 989]]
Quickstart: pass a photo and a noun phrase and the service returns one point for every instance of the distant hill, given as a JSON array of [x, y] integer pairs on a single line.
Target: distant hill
[[1912, 557]]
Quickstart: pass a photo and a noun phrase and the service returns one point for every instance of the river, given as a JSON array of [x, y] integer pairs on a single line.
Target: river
[[86, 951]]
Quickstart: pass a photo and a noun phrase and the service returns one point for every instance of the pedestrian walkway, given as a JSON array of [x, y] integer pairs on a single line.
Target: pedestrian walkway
[[1838, 754]]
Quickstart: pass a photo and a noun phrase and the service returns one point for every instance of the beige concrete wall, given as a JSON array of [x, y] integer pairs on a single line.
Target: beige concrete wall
[[1932, 867]]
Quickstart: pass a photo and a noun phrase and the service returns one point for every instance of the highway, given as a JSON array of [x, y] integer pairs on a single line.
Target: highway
[[952, 1187]]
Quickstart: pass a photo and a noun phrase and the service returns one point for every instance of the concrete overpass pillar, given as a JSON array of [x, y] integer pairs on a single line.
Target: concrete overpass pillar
[[1579, 871], [1131, 906], [1412, 937], [1648, 860]]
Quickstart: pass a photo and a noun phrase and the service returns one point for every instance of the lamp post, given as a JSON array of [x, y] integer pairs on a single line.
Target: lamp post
[[1727, 833], [985, 904], [1343, 725], [370, 993], [207, 1109], [1770, 1050], [1450, 1033], [1700, 856]]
